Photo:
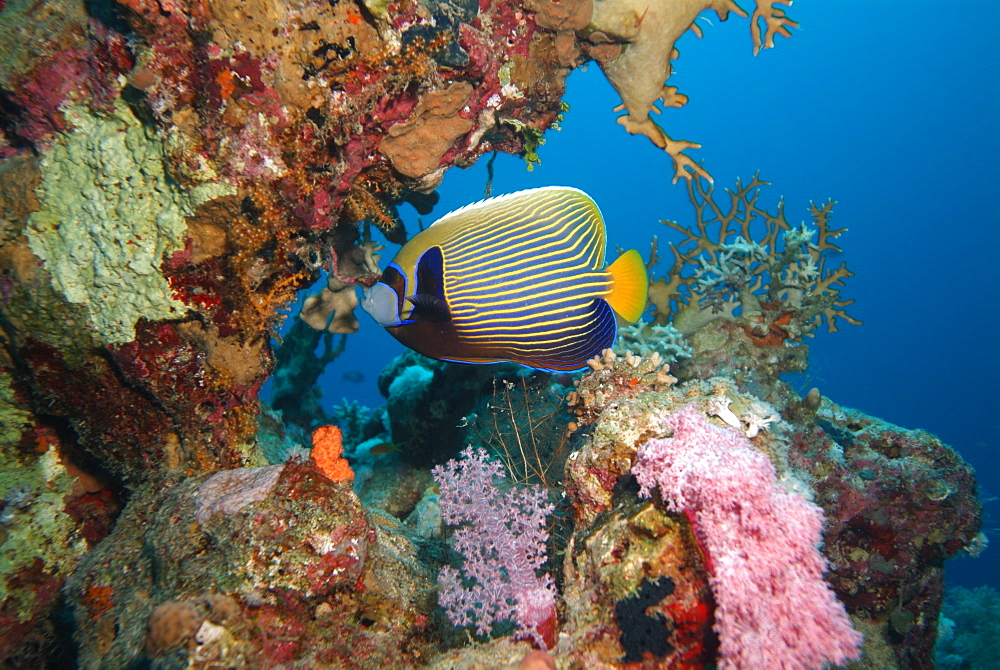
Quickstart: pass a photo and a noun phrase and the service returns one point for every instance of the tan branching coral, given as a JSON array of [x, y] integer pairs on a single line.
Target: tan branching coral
[[775, 21], [744, 263], [639, 67]]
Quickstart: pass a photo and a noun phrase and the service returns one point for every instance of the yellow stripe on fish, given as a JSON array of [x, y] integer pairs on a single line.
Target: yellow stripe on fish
[[519, 278]]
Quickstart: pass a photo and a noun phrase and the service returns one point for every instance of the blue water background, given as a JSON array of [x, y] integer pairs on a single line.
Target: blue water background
[[891, 109]]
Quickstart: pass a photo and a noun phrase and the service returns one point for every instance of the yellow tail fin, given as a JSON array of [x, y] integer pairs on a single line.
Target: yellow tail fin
[[629, 285]]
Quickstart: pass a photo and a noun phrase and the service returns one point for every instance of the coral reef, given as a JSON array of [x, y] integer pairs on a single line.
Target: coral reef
[[760, 541], [300, 360], [229, 491], [428, 404], [895, 504], [501, 535], [745, 288], [51, 514], [884, 567], [776, 285], [608, 569], [644, 339], [888, 565], [523, 421], [970, 628], [176, 621], [187, 168], [172, 173], [108, 178]]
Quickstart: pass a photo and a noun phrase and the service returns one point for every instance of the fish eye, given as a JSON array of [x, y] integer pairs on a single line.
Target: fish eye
[[393, 278]]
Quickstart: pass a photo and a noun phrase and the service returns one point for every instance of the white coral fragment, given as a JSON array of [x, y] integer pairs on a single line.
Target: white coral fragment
[[758, 418], [719, 406], [209, 632]]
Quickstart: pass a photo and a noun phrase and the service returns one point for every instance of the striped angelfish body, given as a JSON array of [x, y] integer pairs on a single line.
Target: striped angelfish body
[[519, 278]]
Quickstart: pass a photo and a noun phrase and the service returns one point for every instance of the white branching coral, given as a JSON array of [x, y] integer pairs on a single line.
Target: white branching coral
[[732, 278], [646, 339]]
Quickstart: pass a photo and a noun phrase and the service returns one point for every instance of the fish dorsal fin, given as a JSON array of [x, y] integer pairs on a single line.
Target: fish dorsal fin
[[500, 201], [543, 221], [629, 285]]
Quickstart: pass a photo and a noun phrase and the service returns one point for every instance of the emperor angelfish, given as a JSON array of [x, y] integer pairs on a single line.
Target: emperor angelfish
[[519, 277]]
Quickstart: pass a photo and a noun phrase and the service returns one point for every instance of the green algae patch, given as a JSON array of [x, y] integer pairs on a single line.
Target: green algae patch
[[36, 525], [33, 524], [109, 216], [13, 419]]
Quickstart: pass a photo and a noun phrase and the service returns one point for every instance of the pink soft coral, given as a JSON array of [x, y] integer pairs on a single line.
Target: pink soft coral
[[501, 533], [774, 609]]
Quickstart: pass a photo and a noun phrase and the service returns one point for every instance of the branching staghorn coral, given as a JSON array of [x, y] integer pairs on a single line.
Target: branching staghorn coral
[[743, 262], [643, 339], [633, 40]]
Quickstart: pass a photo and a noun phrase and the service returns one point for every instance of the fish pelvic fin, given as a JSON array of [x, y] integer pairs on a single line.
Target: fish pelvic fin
[[429, 308], [629, 285]]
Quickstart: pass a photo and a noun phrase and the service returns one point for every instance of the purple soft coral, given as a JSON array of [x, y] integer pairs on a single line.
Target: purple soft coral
[[774, 609], [502, 536]]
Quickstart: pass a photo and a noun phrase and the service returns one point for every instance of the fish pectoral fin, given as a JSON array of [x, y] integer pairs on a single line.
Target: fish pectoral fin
[[428, 308], [629, 285]]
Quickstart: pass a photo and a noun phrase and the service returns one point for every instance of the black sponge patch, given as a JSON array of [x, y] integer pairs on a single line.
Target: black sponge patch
[[640, 632]]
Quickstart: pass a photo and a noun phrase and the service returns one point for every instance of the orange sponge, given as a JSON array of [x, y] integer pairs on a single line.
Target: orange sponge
[[327, 448]]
